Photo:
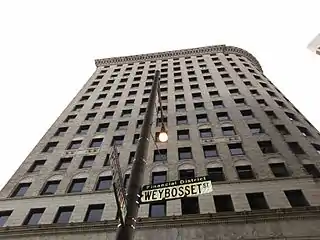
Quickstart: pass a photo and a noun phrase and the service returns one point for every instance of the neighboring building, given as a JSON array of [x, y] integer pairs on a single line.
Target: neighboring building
[[225, 119], [314, 46]]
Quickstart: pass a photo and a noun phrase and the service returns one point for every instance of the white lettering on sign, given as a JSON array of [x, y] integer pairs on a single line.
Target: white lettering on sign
[[179, 191]]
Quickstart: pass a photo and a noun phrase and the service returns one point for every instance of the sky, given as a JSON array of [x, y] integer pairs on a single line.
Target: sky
[[48, 48]]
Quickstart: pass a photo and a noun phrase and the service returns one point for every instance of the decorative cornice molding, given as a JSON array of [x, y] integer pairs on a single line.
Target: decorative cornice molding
[[179, 53], [169, 222]]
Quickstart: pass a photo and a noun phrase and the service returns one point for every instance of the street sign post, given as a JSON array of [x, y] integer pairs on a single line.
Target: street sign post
[[176, 189], [118, 188]]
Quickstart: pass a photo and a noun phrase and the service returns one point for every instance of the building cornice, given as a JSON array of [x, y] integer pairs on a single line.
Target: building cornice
[[179, 53], [169, 222]]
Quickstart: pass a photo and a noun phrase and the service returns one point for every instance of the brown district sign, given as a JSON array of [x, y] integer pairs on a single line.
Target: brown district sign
[[176, 189]]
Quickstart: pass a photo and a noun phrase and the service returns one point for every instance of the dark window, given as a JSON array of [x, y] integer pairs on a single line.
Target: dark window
[[194, 86], [144, 100], [295, 148], [180, 107], [83, 129], [245, 172], [90, 116], [159, 177], [205, 133], [77, 185], [272, 94], [199, 106], [216, 174], [94, 213], [160, 155], [131, 157], [157, 209], [36, 166], [117, 140], [210, 84], [229, 83], [202, 118], [77, 107], [4, 215], [217, 104], [182, 120], [96, 142], [235, 149], [228, 131], [96, 105], [225, 75], [247, 83], [282, 129], [262, 102], [102, 96], [126, 113], [281, 104], [183, 134], [279, 170], [61, 131], [135, 138], [106, 161], [257, 201], [129, 102], [104, 183], [271, 115], [186, 174], [223, 203], [266, 147], [210, 151], [247, 113], [70, 118], [84, 98], [122, 125], [33, 216], [63, 215], [103, 127], [254, 92], [255, 128], [50, 147], [312, 170], [87, 161], [132, 93], [291, 116], [214, 93], [63, 164], [50, 187], [185, 153], [178, 88], [90, 90], [20, 190], [113, 103], [139, 123], [142, 111], [296, 198], [234, 91], [223, 116], [240, 102], [190, 205], [305, 132], [316, 147]]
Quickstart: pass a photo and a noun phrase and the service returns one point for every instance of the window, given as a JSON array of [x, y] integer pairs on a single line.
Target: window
[[210, 85], [77, 185], [126, 113], [223, 116], [103, 127], [281, 104], [90, 116], [305, 132], [296, 198], [177, 80], [178, 88], [75, 144], [196, 96], [50, 187], [117, 140], [271, 115], [235, 149], [102, 96], [90, 90], [214, 93], [179, 97], [126, 180], [225, 75], [185, 153], [146, 91], [106, 161], [61, 131], [118, 94], [223, 203], [272, 94], [279, 170], [97, 105], [160, 155], [202, 118], [70, 118], [122, 125], [234, 91], [254, 92], [36, 166], [83, 129], [84, 98], [255, 128], [208, 77], [295, 148], [205, 133], [262, 103], [266, 147], [247, 113], [144, 100], [106, 88], [104, 183], [257, 201], [180, 107], [113, 103], [4, 215], [312, 170], [159, 177], [192, 79], [228, 131], [63, 215], [186, 174], [94, 213], [247, 83], [157, 209], [129, 102], [21, 189], [87, 161], [135, 138], [183, 134], [50, 147], [180, 120], [194, 86], [245, 172], [240, 102], [159, 121], [210, 151], [132, 93], [190, 205], [199, 106], [142, 111], [33, 216], [316, 147], [63, 164], [229, 83], [139, 123], [216, 174], [77, 107], [131, 157]]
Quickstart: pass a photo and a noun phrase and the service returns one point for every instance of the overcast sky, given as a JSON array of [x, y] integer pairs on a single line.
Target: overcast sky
[[47, 52]]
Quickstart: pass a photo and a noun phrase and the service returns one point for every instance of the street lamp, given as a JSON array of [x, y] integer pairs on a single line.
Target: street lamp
[[163, 135]]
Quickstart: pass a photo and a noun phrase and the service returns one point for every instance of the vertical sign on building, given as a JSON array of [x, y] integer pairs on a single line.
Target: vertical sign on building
[[118, 187]]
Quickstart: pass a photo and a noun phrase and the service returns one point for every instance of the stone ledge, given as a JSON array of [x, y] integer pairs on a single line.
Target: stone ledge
[[179, 53], [170, 222]]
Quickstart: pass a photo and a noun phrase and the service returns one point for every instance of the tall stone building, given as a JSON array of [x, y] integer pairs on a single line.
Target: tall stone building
[[225, 119]]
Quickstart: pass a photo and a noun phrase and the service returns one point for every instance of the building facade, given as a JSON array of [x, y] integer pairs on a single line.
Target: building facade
[[225, 119], [314, 45]]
